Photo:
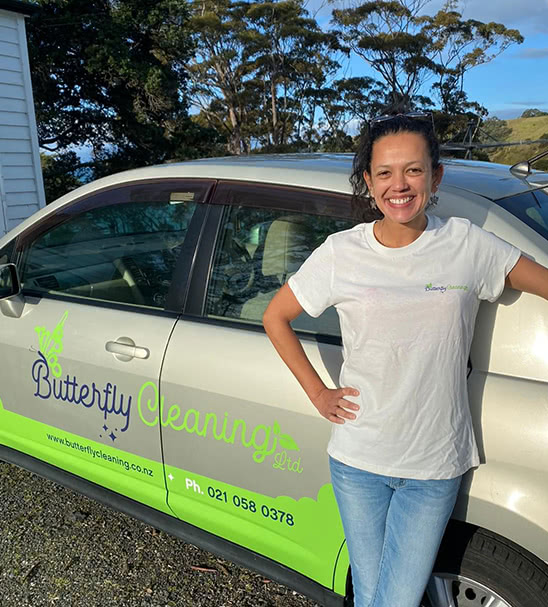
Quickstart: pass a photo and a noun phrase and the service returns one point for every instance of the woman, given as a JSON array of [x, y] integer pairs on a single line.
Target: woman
[[407, 289]]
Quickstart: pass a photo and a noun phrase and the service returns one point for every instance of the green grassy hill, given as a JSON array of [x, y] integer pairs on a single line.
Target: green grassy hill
[[529, 128], [523, 129]]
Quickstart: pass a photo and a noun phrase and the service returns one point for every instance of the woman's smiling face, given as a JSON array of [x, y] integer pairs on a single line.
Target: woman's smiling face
[[401, 178]]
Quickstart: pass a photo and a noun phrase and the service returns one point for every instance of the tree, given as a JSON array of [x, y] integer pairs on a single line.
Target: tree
[[291, 55], [459, 45], [496, 129], [59, 174], [408, 48], [258, 69], [220, 70], [348, 102], [533, 113], [109, 74]]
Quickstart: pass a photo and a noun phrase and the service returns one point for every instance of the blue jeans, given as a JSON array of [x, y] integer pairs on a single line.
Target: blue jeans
[[393, 528]]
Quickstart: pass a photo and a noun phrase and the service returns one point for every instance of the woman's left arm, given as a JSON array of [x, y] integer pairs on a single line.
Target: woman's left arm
[[529, 276]]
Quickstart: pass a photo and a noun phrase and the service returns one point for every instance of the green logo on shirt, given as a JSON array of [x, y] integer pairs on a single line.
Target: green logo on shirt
[[444, 288]]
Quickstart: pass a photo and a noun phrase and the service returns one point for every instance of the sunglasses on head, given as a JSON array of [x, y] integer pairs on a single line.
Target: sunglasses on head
[[415, 115]]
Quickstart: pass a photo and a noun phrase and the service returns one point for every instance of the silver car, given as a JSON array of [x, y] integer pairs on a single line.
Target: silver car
[[135, 369]]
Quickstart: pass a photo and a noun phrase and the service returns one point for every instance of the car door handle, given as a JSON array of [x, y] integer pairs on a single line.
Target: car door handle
[[124, 349]]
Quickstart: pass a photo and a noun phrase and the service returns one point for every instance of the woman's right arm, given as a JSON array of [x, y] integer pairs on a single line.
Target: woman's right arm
[[331, 403]]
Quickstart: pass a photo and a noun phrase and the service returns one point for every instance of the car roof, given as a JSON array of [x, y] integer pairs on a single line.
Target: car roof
[[321, 171], [489, 179], [326, 171]]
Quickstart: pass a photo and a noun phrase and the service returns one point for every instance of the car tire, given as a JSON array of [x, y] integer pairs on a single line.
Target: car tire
[[476, 567]]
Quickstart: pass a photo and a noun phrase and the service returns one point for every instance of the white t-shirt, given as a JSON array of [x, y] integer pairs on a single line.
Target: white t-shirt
[[407, 318]]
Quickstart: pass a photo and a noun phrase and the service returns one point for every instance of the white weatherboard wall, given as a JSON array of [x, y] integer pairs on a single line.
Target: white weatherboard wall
[[21, 185]]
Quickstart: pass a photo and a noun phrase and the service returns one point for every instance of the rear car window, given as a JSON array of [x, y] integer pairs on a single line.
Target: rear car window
[[531, 208]]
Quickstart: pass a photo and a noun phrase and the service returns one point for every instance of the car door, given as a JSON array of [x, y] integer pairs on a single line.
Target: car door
[[102, 284], [244, 449]]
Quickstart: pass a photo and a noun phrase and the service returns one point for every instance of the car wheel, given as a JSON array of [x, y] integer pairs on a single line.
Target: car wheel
[[477, 568]]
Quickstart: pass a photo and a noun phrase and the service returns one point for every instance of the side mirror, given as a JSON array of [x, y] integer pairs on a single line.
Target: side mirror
[[10, 285]]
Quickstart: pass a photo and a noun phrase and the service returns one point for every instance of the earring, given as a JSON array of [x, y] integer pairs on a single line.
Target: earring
[[434, 200], [371, 196]]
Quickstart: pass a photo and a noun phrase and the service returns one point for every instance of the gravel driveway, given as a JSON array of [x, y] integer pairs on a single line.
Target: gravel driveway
[[59, 548]]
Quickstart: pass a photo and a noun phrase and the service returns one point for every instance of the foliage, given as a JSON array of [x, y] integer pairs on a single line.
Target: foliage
[[533, 113], [59, 174], [109, 74], [119, 76], [453, 127], [496, 129], [291, 59], [259, 71], [408, 48], [346, 101], [337, 141], [220, 70]]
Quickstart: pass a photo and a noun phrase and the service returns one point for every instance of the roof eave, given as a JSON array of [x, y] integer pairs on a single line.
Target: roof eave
[[18, 6]]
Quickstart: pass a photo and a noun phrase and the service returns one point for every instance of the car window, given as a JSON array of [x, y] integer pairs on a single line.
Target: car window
[[257, 251], [531, 208], [122, 249]]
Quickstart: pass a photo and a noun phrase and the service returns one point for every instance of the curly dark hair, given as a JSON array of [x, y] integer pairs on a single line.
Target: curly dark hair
[[361, 199]]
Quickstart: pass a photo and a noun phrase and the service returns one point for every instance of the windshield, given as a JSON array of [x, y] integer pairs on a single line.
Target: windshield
[[531, 208]]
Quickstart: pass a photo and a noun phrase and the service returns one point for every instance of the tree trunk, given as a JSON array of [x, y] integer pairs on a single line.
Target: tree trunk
[[235, 142], [274, 112]]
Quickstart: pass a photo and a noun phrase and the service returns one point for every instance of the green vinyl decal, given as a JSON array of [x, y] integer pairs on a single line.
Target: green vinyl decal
[[51, 345], [303, 533], [264, 439], [105, 465]]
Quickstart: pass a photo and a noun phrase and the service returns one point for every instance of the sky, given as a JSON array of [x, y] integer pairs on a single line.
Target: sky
[[513, 82]]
